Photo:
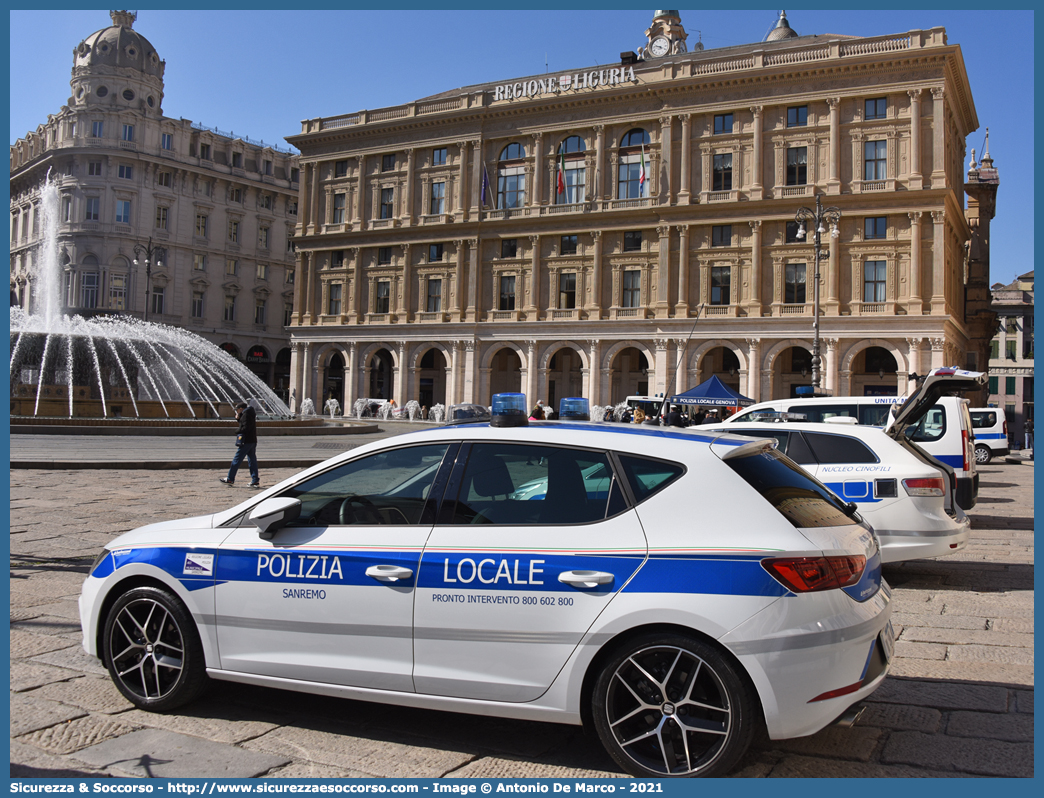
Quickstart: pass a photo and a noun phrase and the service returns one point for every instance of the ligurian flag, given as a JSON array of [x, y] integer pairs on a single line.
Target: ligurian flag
[[561, 173], [641, 175]]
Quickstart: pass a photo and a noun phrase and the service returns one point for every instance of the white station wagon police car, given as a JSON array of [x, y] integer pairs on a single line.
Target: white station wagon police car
[[708, 587]]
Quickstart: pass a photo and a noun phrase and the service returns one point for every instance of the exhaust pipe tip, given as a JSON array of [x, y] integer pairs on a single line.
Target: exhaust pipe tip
[[850, 716]]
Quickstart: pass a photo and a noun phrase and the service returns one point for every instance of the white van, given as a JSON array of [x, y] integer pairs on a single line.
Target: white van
[[991, 433], [942, 426]]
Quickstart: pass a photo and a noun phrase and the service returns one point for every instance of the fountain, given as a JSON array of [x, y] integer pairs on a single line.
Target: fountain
[[333, 407], [413, 409], [117, 366], [307, 408], [437, 413]]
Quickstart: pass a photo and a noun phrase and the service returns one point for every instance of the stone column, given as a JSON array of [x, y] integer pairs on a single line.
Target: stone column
[[462, 179], [599, 175], [455, 381], [360, 192], [351, 379], [915, 304], [295, 376], [705, 176], [666, 187], [399, 378], [531, 381], [681, 308], [594, 387], [313, 217], [411, 200], [938, 353], [832, 305], [939, 264], [914, 352], [328, 216], [470, 372], [661, 366], [663, 284], [916, 179], [594, 308], [680, 385], [538, 170], [754, 300], [685, 192], [305, 211], [757, 190], [533, 308], [474, 284], [939, 139], [476, 177], [404, 295], [830, 366], [753, 388], [299, 285], [833, 173], [357, 285], [310, 286], [458, 282]]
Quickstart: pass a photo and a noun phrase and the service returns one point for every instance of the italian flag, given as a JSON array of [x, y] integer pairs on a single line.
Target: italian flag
[[561, 173], [641, 175]]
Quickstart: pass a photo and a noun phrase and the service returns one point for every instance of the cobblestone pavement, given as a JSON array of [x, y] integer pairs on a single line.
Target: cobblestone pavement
[[959, 701]]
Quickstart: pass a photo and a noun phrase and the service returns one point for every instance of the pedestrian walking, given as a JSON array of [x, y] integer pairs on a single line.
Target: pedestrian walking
[[1029, 435], [246, 445], [675, 418]]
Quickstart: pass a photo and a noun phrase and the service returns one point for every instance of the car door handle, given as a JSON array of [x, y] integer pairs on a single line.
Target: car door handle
[[585, 578], [389, 573]]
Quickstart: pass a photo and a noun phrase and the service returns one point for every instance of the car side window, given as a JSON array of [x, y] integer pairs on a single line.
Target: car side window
[[647, 476], [930, 428], [874, 415], [839, 449], [981, 420], [818, 413], [387, 488], [520, 484]]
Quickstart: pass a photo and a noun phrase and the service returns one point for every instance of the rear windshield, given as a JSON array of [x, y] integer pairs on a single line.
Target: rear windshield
[[802, 500]]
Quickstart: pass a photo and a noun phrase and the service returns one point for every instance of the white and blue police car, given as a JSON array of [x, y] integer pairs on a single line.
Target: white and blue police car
[[703, 586]]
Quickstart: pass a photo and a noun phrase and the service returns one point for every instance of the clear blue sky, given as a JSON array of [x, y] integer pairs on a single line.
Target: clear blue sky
[[259, 73]]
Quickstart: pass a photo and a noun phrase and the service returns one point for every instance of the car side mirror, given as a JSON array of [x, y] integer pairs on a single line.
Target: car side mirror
[[271, 514]]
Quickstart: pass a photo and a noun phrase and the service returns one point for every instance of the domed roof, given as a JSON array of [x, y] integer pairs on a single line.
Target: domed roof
[[674, 14], [119, 46], [782, 30]]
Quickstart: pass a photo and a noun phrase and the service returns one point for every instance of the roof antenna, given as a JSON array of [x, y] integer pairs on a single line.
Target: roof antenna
[[545, 63]]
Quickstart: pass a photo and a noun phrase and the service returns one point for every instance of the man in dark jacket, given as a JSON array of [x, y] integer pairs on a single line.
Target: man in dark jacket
[[675, 418], [246, 445]]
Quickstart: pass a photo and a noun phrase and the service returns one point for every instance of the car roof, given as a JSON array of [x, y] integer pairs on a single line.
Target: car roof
[[862, 431]]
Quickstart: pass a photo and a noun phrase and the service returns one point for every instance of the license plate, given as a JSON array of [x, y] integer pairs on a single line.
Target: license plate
[[888, 641]]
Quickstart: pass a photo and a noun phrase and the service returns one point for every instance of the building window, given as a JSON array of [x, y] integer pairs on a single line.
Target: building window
[[94, 169], [290, 245], [567, 290], [797, 116], [435, 253], [438, 197], [236, 195], [570, 173], [1009, 350], [722, 172], [207, 188], [388, 162], [197, 305], [511, 177], [340, 168], [201, 225], [722, 123], [125, 171], [721, 235], [118, 291], [438, 156], [89, 290], [383, 295], [632, 178], [509, 248], [507, 292], [993, 385], [791, 234], [204, 152], [1009, 386], [123, 211], [337, 259], [334, 303], [387, 200], [199, 262], [266, 202], [128, 132], [237, 160], [794, 284], [91, 214], [874, 280], [288, 314], [383, 256], [338, 208], [161, 218], [1011, 325], [875, 227], [876, 108], [97, 129], [434, 304], [797, 166], [233, 231], [267, 166], [994, 349], [632, 289], [568, 245], [262, 237], [288, 276], [157, 300], [291, 207], [720, 287], [633, 241], [167, 141], [295, 175], [231, 266], [262, 271], [164, 179], [874, 153], [66, 209], [230, 308]]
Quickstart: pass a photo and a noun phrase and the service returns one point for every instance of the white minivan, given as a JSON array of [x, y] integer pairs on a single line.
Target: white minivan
[[943, 425], [991, 433]]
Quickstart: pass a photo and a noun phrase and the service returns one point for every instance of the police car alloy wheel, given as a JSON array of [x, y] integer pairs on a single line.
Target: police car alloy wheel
[[983, 454], [671, 705], [153, 651]]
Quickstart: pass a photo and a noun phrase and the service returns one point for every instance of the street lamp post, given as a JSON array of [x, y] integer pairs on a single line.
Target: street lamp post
[[149, 254], [821, 219]]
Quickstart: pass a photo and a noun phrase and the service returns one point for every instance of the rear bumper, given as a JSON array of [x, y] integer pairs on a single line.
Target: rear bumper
[[967, 491]]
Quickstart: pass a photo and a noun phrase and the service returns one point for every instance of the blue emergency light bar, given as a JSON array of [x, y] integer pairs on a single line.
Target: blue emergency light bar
[[575, 408], [509, 410]]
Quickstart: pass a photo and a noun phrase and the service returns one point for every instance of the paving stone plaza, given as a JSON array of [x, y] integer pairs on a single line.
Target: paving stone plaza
[[959, 701]]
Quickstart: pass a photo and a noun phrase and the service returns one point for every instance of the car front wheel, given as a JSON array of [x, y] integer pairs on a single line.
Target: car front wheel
[[672, 706], [983, 454], [152, 650]]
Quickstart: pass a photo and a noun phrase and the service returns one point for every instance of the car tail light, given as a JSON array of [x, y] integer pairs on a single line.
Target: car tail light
[[929, 486], [810, 574], [966, 448]]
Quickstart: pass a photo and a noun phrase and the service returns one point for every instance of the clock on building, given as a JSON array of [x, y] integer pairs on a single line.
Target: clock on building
[[660, 46]]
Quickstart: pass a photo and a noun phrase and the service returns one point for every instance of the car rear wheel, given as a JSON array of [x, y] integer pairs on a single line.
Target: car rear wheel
[[672, 706], [983, 454], [152, 650]]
